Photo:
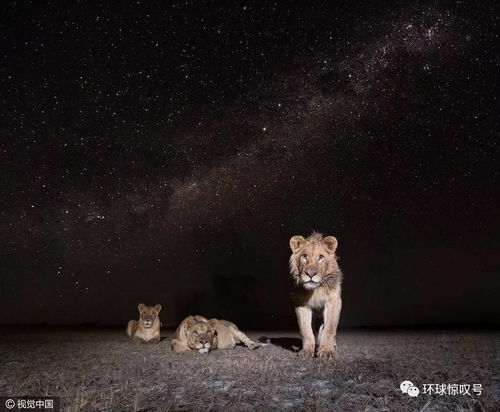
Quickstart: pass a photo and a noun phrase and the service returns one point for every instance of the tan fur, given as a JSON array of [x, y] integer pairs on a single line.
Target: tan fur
[[199, 333], [147, 328], [317, 287]]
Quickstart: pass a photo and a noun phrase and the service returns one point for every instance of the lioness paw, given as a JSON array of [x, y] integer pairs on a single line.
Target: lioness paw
[[306, 353], [253, 346]]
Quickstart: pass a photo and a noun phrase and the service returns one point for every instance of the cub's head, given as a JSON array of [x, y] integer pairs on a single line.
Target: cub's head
[[313, 262], [201, 334], [148, 314]]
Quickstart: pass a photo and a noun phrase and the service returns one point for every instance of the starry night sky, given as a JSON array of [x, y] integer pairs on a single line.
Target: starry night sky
[[166, 152]]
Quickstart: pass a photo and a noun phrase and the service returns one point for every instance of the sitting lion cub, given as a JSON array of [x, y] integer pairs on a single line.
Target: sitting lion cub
[[199, 333], [147, 329]]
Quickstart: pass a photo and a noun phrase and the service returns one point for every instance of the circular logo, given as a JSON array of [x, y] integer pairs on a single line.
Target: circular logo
[[405, 385], [10, 403], [413, 391]]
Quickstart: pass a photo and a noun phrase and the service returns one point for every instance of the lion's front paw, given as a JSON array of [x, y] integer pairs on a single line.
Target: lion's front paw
[[253, 346], [327, 353], [307, 353]]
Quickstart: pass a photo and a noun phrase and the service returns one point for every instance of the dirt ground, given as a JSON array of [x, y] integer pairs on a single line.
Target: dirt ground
[[100, 369]]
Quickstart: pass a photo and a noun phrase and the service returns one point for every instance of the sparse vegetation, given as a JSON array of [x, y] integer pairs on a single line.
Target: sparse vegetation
[[101, 369]]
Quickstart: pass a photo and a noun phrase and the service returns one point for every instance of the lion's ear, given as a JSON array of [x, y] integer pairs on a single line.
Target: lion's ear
[[213, 323], [330, 243], [296, 243], [158, 307], [190, 321], [141, 307]]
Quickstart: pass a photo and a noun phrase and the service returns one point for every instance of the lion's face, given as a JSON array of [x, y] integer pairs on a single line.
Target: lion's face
[[201, 336], [313, 260], [148, 314]]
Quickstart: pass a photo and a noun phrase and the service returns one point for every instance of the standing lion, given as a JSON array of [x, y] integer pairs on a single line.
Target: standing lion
[[318, 279]]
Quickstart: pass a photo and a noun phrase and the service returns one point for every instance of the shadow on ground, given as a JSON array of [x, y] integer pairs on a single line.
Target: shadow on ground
[[285, 342]]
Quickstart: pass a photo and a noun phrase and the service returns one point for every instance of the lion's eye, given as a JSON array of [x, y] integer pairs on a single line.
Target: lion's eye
[[195, 333], [321, 257], [304, 256]]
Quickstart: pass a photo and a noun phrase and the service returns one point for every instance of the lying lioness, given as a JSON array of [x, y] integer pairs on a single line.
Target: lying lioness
[[199, 333], [147, 329]]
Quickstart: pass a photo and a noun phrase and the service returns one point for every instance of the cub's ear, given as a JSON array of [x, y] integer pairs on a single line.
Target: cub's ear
[[141, 307], [330, 243], [296, 243], [213, 323], [158, 307]]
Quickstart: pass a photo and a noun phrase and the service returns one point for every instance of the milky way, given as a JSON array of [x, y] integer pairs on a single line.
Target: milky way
[[161, 145]]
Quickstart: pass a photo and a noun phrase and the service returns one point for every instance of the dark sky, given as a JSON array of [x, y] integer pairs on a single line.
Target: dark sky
[[165, 153]]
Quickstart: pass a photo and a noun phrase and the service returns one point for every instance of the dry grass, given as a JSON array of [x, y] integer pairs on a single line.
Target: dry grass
[[99, 369]]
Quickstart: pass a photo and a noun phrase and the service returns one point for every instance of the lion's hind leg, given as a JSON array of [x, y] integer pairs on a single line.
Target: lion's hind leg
[[239, 335], [131, 328]]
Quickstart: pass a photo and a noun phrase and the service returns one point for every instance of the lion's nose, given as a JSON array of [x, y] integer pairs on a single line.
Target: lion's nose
[[203, 341], [311, 273]]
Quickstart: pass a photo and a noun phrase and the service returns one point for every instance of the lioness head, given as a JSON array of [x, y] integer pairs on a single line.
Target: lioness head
[[148, 314], [201, 335], [313, 262]]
